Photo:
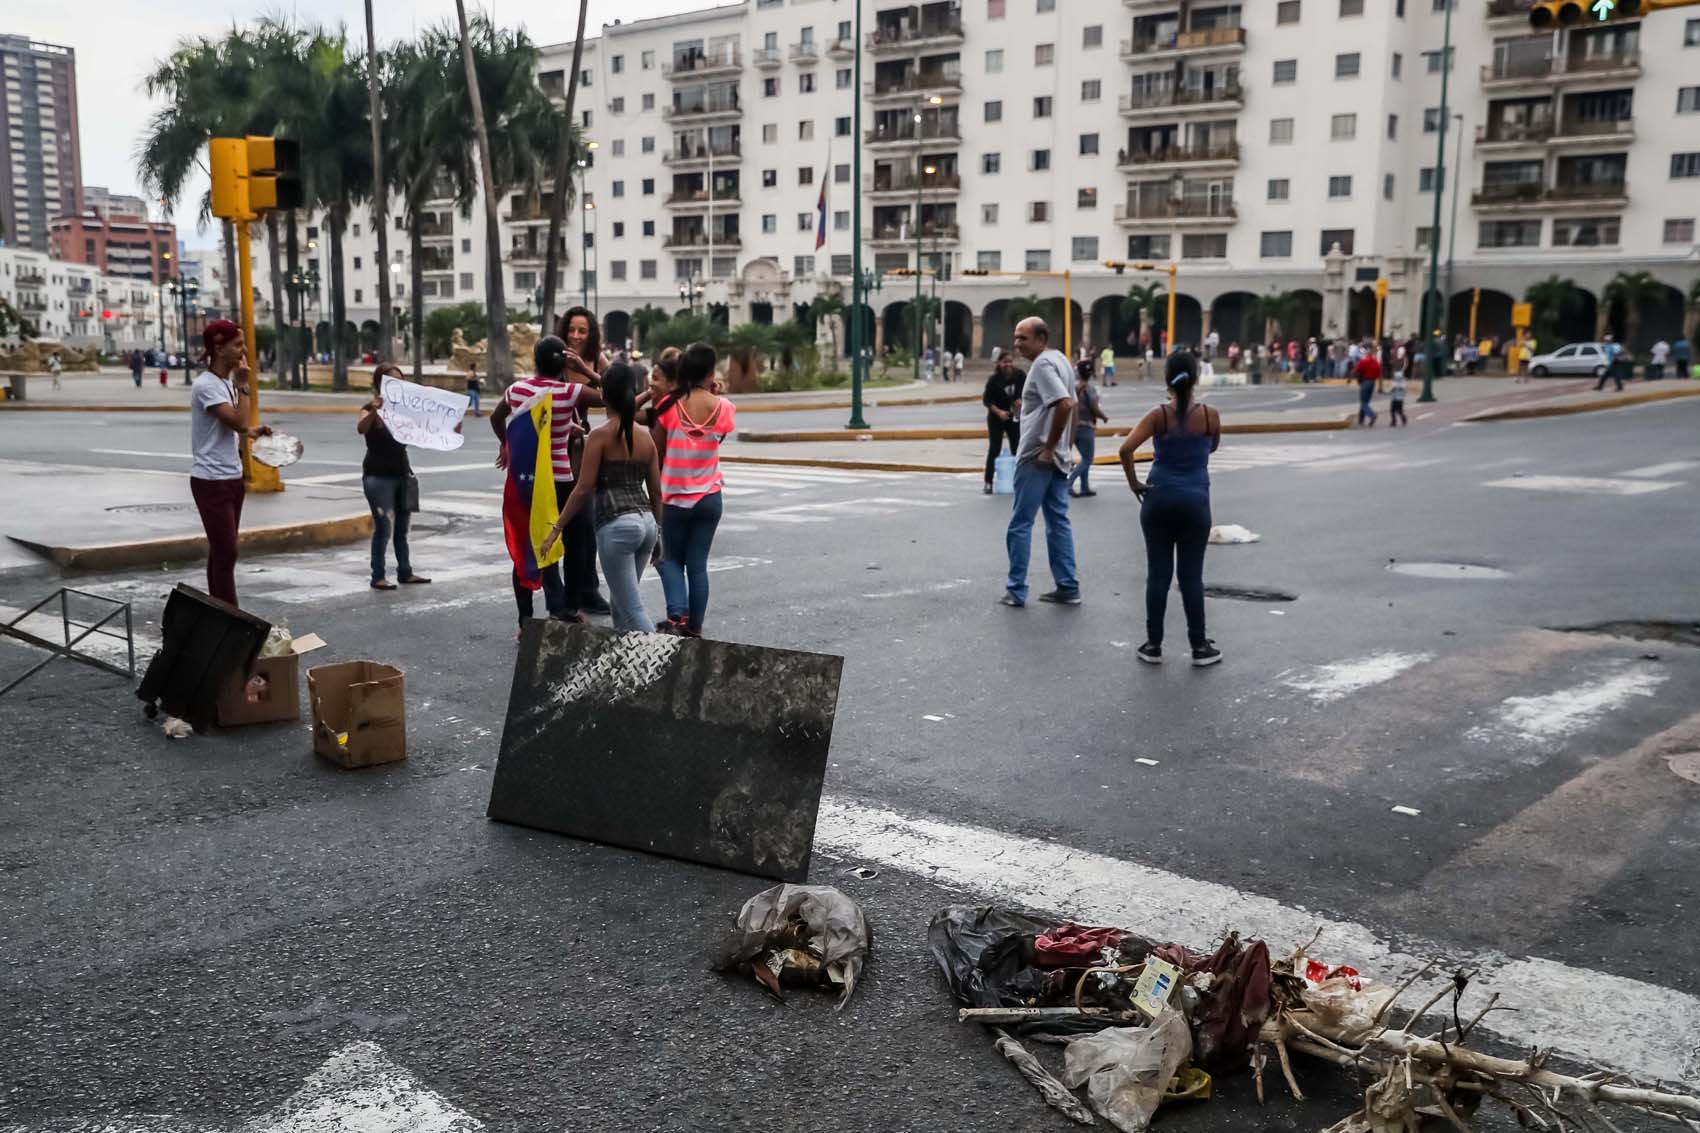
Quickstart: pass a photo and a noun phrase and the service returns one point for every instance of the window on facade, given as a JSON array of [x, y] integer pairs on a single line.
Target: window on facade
[[1425, 237], [841, 173], [646, 269], [1286, 71], [617, 188], [994, 9], [805, 175], [770, 88], [989, 214], [1431, 119], [1088, 145], [1333, 236], [1038, 212], [988, 261], [1691, 33], [842, 80], [802, 267], [649, 186], [1041, 160], [806, 130], [1086, 198], [618, 147], [647, 145], [649, 102], [805, 222], [1280, 188], [1275, 245], [1351, 7], [1280, 131], [1038, 259], [1044, 54], [1204, 246], [1147, 247], [841, 264], [1092, 36], [994, 61], [647, 60], [1586, 232], [1688, 100], [806, 82], [1344, 127], [1426, 179], [465, 283], [359, 295], [1287, 12], [769, 178], [616, 106], [1398, 64], [1042, 106], [356, 261], [991, 163], [1091, 90], [770, 133], [1679, 231], [769, 223], [1392, 127], [841, 221], [1339, 186], [994, 111], [1431, 62], [1685, 165], [619, 229], [1347, 65], [616, 269], [649, 228], [1083, 249], [1387, 186], [1509, 234]]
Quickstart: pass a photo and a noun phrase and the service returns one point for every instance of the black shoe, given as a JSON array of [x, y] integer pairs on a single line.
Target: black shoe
[[1205, 655], [987, 490], [1150, 654], [572, 617], [1086, 492], [596, 604], [1061, 597], [1011, 601]]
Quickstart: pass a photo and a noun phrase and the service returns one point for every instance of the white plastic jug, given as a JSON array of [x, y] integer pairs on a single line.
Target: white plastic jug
[[1003, 475]]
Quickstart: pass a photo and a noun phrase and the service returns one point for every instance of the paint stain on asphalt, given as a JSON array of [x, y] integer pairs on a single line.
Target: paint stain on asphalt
[[1249, 593]]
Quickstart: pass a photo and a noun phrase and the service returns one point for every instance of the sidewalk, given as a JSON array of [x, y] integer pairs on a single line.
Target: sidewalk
[[128, 517]]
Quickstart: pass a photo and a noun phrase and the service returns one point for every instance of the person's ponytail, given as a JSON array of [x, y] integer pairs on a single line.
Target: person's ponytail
[[619, 394], [1181, 374]]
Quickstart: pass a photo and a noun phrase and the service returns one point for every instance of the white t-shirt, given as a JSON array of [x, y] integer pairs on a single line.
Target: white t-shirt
[[217, 456]]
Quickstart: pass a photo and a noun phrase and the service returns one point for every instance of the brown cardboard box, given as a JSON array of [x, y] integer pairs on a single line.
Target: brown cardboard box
[[359, 712], [279, 699]]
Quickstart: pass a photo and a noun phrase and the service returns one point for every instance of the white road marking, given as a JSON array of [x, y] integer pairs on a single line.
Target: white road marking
[[1555, 715], [357, 1090], [188, 456], [1325, 684], [1407, 811], [1655, 471], [427, 470], [1585, 485], [912, 591], [1595, 1016]]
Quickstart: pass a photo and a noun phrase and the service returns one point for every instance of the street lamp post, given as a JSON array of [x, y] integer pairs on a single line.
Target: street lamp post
[[1430, 316], [184, 292], [858, 365], [920, 183], [161, 290], [590, 280], [1452, 224]]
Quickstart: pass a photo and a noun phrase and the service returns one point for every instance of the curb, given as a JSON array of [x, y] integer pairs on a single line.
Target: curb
[[1565, 409], [267, 411], [805, 406], [187, 548], [1343, 421], [892, 466]]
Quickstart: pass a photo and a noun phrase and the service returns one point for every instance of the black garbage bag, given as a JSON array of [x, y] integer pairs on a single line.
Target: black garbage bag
[[986, 955]]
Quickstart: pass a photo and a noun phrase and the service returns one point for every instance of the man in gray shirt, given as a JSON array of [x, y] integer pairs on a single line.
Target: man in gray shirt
[[1042, 468]]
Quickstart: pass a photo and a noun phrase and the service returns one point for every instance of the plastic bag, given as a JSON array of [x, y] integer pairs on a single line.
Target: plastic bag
[[278, 643], [985, 954], [833, 929], [1127, 1069], [1347, 1013]]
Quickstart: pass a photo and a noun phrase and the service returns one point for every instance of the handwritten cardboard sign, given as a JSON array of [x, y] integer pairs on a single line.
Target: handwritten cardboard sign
[[421, 416]]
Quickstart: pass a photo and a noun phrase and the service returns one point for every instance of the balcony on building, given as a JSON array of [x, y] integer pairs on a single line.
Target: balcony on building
[[704, 104], [1198, 92], [1584, 180], [696, 62], [690, 191], [1587, 56], [31, 279], [1596, 118], [903, 235], [1510, 10], [916, 27], [719, 146], [1172, 146], [898, 178], [915, 81], [691, 233], [532, 247], [436, 227], [527, 210], [437, 260], [1196, 207], [897, 128], [805, 52], [768, 58], [1199, 30], [843, 47]]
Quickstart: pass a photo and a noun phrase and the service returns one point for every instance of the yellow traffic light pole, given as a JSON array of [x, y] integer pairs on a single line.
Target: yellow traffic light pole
[[1173, 271], [1068, 296], [1380, 306], [1547, 14]]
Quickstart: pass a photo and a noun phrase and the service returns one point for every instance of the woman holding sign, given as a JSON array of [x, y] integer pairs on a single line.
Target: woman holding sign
[[391, 490]]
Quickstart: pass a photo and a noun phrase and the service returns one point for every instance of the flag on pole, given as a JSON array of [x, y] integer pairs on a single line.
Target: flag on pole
[[820, 211], [528, 498]]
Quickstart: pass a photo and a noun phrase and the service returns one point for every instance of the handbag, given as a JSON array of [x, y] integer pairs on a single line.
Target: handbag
[[410, 494]]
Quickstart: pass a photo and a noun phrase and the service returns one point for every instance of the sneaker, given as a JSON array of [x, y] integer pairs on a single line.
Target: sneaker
[[1087, 492], [1061, 597], [572, 617], [1206, 654], [596, 604], [986, 491], [1150, 654], [1011, 600], [674, 625]]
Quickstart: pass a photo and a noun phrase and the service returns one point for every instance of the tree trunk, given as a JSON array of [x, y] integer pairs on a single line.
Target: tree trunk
[[416, 280], [232, 302], [279, 323], [563, 181], [339, 311], [380, 199], [297, 314], [500, 361]]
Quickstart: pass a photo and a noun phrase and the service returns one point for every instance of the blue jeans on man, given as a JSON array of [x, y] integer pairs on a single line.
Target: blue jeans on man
[[1040, 487]]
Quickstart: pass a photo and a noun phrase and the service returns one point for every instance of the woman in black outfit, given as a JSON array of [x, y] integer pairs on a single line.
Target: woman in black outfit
[[1002, 400], [384, 475]]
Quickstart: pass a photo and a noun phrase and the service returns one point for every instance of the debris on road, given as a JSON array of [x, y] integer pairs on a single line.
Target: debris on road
[[176, 729], [1232, 533], [1140, 1020], [1056, 1095], [799, 936], [359, 712]]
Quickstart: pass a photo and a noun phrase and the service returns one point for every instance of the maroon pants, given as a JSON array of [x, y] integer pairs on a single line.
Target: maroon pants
[[220, 505]]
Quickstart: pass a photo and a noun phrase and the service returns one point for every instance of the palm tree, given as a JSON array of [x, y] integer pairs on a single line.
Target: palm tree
[[645, 319], [1277, 309], [501, 363], [925, 311], [277, 49], [745, 344], [380, 197], [826, 306], [1692, 323], [1630, 294], [1144, 299], [566, 152], [1549, 299], [1026, 307], [790, 339]]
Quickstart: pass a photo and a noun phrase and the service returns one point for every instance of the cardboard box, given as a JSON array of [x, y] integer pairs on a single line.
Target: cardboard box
[[278, 698], [359, 712]]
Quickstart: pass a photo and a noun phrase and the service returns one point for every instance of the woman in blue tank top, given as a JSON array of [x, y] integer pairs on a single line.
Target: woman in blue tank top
[[1174, 509]]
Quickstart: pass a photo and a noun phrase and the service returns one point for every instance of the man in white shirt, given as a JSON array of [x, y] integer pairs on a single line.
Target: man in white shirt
[[218, 416], [1042, 467]]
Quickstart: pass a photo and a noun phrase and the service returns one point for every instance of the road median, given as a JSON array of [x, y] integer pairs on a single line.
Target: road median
[[1342, 420], [299, 536], [1587, 405]]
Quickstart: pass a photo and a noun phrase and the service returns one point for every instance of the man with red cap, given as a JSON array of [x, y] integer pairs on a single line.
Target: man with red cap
[[218, 403]]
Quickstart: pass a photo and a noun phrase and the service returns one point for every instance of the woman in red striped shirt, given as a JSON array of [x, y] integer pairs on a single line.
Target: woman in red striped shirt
[[689, 430]]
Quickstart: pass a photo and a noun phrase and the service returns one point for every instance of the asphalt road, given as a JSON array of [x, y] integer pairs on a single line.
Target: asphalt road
[[192, 928]]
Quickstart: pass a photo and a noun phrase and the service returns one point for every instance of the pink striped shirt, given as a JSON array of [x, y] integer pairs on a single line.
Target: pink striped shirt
[[692, 468], [563, 416]]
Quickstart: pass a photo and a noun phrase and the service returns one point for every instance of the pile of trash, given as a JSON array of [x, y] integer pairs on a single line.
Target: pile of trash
[[799, 936], [1145, 1022]]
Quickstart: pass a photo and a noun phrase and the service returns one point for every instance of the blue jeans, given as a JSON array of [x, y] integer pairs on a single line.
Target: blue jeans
[[1086, 440], [1040, 486], [687, 533], [625, 544], [384, 497], [1177, 529], [1366, 392], [472, 398]]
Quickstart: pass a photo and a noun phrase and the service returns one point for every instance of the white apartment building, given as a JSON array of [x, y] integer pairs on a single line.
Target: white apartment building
[[1265, 146], [76, 305]]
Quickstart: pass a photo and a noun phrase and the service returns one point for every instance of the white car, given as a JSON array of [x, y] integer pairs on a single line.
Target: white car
[[1578, 358]]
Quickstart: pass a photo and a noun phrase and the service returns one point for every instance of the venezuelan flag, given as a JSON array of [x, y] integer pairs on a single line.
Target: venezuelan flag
[[529, 509]]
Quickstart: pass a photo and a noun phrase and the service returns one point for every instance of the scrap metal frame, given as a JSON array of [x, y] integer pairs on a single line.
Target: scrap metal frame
[[68, 648]]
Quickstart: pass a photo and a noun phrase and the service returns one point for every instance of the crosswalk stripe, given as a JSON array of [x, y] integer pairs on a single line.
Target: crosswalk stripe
[[1655, 471], [1584, 485]]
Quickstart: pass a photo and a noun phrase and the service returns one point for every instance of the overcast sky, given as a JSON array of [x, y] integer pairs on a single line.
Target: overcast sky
[[117, 42]]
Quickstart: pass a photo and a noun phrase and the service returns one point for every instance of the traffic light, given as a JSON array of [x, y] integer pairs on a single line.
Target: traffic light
[[1122, 265], [902, 271], [254, 175], [975, 271], [1381, 288], [1567, 13]]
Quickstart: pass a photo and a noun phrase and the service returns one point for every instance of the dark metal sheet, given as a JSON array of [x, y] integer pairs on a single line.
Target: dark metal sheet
[[710, 751], [202, 642]]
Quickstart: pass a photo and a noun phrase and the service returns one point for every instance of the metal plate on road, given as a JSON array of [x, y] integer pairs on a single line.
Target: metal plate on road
[[710, 751]]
